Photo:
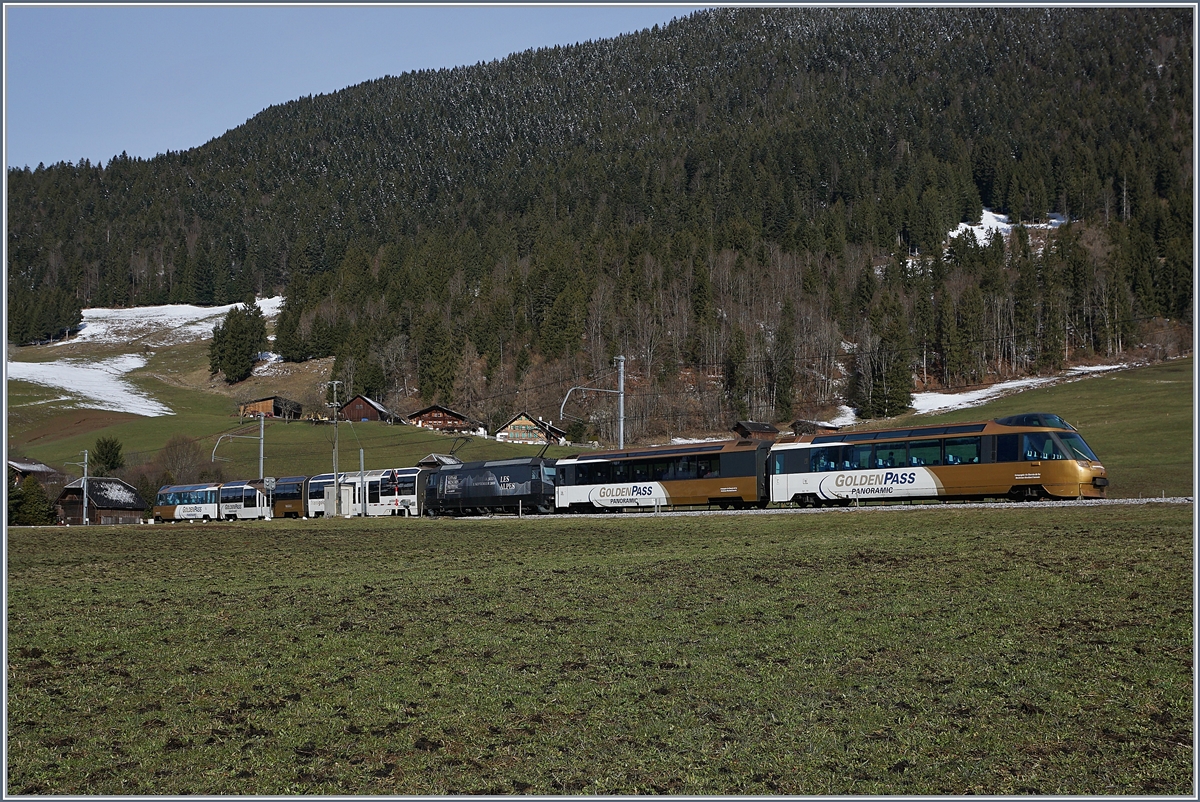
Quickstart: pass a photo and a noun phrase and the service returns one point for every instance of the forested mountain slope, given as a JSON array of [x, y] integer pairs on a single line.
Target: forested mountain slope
[[708, 198]]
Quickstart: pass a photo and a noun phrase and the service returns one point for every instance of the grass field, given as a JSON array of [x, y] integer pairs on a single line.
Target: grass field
[[1139, 422], [919, 651]]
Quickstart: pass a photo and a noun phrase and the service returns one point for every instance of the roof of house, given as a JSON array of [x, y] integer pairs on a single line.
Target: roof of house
[[545, 426], [30, 466], [447, 410], [756, 427], [108, 493]]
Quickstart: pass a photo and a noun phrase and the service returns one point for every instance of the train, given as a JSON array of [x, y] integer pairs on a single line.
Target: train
[[1025, 457]]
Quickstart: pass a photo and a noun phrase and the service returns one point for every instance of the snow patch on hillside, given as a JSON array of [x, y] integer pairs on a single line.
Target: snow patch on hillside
[[93, 384], [990, 222], [158, 326]]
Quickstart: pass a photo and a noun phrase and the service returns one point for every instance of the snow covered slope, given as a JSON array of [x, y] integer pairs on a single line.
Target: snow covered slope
[[102, 384]]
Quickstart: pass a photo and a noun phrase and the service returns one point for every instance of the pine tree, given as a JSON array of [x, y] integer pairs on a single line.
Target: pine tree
[[29, 506], [237, 341], [107, 457]]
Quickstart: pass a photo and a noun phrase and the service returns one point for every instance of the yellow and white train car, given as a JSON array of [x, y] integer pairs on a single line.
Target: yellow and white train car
[[1022, 457]]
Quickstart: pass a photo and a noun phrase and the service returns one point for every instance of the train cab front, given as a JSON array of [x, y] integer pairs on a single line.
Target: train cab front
[[1092, 475]]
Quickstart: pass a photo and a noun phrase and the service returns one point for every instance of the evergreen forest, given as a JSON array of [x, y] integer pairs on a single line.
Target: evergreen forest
[[752, 205]]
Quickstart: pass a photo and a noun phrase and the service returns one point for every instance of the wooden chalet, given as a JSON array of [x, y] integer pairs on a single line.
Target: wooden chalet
[[110, 501], [361, 408], [18, 469], [444, 419], [753, 430], [524, 429], [275, 406]]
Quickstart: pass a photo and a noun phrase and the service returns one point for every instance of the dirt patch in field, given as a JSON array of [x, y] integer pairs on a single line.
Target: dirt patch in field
[[71, 423]]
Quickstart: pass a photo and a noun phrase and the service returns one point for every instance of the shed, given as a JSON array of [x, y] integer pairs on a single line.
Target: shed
[[361, 408], [752, 430], [275, 406], [110, 501], [522, 428], [445, 419]]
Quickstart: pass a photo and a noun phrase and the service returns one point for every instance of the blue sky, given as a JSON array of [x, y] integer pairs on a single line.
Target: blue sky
[[95, 81]]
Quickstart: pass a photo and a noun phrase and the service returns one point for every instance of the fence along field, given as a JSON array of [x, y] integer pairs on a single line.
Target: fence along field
[[1042, 650]]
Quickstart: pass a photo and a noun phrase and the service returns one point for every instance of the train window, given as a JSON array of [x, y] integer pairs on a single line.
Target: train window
[[316, 491], [925, 452], [250, 499], [708, 468], [406, 487], [685, 468], [890, 455], [963, 450], [1074, 443], [1006, 447], [641, 471], [1040, 445], [662, 471], [738, 463], [859, 456], [826, 459], [372, 492], [620, 472], [548, 473], [231, 495]]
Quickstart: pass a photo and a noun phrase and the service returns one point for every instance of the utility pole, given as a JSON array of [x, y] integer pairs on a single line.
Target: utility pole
[[337, 485], [620, 392], [262, 422], [85, 480], [621, 402]]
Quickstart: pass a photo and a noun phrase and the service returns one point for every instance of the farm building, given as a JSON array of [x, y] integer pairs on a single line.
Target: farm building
[[272, 407], [110, 501], [752, 430], [524, 429], [361, 408], [446, 420], [18, 469]]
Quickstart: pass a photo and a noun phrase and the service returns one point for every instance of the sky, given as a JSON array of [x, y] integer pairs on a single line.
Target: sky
[[95, 81]]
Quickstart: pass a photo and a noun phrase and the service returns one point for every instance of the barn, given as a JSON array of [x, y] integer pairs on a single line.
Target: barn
[[753, 430], [110, 501], [523, 428], [361, 408], [446, 420], [275, 406]]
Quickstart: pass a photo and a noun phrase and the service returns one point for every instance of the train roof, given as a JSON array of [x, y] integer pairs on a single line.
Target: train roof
[[1044, 420], [675, 449], [186, 488], [498, 463]]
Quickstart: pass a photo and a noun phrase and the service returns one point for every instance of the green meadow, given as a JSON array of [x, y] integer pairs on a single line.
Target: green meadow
[[1138, 421], [925, 650]]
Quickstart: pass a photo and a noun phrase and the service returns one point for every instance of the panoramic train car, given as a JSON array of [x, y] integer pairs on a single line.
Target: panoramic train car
[[477, 488], [1022, 457], [244, 501], [288, 497], [187, 503], [317, 495], [394, 491], [725, 474]]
